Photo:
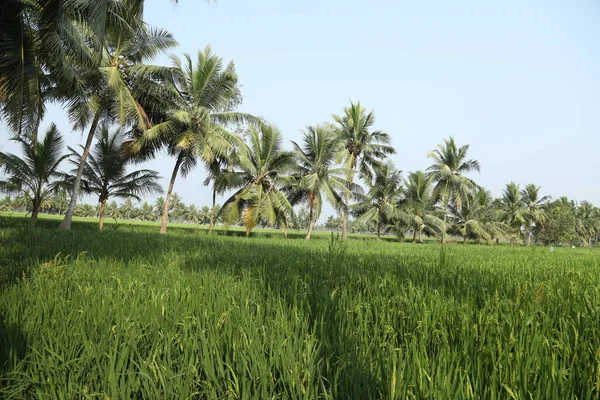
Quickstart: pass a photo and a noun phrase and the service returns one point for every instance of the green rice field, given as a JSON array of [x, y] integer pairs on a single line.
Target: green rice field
[[128, 313]]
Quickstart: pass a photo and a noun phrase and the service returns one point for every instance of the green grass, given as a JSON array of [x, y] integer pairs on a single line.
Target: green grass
[[129, 313]]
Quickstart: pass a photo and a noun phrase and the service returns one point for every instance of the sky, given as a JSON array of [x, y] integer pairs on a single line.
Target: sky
[[518, 81]]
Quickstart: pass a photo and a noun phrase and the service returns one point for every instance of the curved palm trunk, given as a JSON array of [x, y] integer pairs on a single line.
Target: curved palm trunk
[[414, 235], [101, 216], [212, 211], [420, 236], [311, 222], [66, 222], [165, 217]]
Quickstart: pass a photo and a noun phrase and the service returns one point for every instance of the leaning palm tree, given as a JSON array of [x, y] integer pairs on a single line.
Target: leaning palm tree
[[417, 208], [363, 149], [194, 128], [105, 173], [381, 203], [316, 176], [450, 165], [33, 174], [535, 208], [261, 166], [116, 88]]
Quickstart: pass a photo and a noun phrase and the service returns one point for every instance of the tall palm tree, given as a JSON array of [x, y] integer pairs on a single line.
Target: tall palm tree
[[535, 208], [105, 173], [261, 166], [450, 165], [512, 208], [417, 208], [363, 149], [117, 87], [195, 126], [33, 174], [159, 205], [588, 222], [382, 201], [191, 214], [316, 175]]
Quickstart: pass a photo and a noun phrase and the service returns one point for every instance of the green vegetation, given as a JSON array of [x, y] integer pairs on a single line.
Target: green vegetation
[[127, 314]]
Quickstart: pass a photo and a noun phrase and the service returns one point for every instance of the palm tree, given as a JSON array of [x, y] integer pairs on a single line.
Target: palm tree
[[44, 44], [417, 209], [450, 165], [128, 209], [191, 214], [195, 125], [105, 173], [381, 204], [159, 205], [476, 218], [363, 149], [261, 164], [535, 208], [587, 222], [85, 210], [145, 212], [512, 207], [117, 87], [221, 174], [316, 174], [33, 174]]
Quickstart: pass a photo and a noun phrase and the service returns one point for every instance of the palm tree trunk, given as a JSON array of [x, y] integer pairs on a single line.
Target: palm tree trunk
[[465, 239], [212, 211], [165, 217], [311, 222], [378, 231], [101, 219], [414, 236], [345, 212], [66, 222], [529, 229], [34, 213], [420, 236]]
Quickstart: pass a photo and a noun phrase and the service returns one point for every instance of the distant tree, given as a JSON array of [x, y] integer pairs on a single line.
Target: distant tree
[[512, 208], [128, 209], [333, 223], [34, 174], [316, 177], [417, 210], [105, 174], [381, 203], [535, 210], [262, 163], [146, 212], [560, 223], [85, 210], [191, 214], [450, 163], [363, 148]]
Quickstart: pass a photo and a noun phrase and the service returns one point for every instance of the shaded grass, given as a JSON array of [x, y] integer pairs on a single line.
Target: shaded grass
[[141, 315]]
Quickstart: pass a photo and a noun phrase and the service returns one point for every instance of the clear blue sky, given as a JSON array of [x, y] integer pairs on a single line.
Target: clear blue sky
[[517, 80]]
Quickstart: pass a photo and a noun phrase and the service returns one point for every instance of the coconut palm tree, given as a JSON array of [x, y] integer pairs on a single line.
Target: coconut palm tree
[[128, 209], [85, 210], [587, 222], [417, 208], [363, 148], [512, 208], [261, 166], [145, 212], [450, 165], [43, 47], [535, 208], [382, 201], [117, 87], [194, 128], [35, 172], [158, 207], [191, 214], [475, 218], [316, 176], [105, 173]]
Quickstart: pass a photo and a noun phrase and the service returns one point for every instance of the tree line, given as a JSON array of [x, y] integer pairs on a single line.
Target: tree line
[[95, 59]]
